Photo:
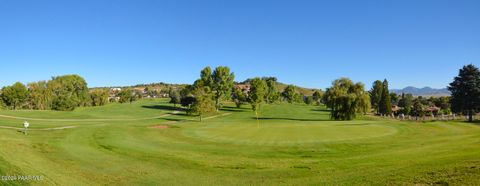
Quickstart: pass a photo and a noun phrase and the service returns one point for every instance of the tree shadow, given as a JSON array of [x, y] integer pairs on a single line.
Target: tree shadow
[[234, 109], [162, 107], [173, 119], [291, 119], [320, 110], [474, 122]]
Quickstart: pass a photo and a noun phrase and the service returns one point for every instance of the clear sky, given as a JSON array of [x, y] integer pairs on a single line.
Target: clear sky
[[308, 43]]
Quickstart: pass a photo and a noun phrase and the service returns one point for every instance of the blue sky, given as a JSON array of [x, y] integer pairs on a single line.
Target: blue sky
[[308, 43]]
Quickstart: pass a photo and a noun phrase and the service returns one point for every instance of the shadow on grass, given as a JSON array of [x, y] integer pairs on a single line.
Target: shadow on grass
[[234, 109], [474, 122], [291, 119], [162, 107], [321, 110]]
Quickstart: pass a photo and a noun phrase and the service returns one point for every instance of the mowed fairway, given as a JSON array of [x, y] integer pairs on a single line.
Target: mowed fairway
[[147, 142]]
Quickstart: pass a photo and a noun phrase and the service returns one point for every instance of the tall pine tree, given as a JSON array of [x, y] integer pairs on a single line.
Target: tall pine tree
[[385, 105], [376, 95], [466, 91]]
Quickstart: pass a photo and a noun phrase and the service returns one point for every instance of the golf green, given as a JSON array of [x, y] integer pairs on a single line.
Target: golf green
[[151, 143]]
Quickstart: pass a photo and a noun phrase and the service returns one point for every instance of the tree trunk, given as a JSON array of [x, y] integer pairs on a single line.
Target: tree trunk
[[200, 118], [470, 115], [258, 123]]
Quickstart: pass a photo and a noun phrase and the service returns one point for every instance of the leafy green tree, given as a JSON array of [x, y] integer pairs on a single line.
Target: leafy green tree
[[394, 98], [126, 95], [186, 98], [363, 99], [309, 100], [272, 95], [239, 97], [68, 92], [39, 97], [406, 102], [175, 97], [299, 98], [203, 102], [442, 102], [206, 77], [289, 93], [418, 109], [465, 91], [256, 95], [99, 97], [15, 96], [222, 84], [345, 99], [317, 96], [385, 105], [376, 95]]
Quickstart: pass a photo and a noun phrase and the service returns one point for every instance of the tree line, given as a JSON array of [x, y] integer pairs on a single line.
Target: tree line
[[60, 93], [214, 87], [345, 98]]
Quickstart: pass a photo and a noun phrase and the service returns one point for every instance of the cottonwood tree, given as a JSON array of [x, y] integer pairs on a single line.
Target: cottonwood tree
[[15, 96], [465, 91], [222, 84], [308, 100], [272, 95], [126, 95], [345, 99], [256, 95], [317, 96], [239, 97], [290, 93], [68, 92], [418, 109], [203, 102], [99, 97], [175, 97], [39, 96]]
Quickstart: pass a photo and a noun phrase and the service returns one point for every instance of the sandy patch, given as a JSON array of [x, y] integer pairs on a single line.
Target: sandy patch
[[160, 127]]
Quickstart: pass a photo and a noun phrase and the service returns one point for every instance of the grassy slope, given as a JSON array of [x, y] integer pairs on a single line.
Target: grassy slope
[[293, 145]]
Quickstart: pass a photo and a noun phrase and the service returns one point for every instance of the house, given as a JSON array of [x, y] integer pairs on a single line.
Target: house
[[396, 109], [244, 87]]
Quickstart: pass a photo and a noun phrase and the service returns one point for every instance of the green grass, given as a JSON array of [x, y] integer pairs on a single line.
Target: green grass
[[293, 145]]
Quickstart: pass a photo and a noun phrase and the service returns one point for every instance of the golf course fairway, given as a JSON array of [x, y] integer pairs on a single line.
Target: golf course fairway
[[152, 143]]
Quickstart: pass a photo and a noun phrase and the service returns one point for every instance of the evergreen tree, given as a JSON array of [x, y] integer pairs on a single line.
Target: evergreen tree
[[376, 95], [385, 105], [466, 91]]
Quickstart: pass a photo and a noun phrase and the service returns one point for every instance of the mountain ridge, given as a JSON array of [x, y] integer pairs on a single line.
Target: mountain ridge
[[425, 91]]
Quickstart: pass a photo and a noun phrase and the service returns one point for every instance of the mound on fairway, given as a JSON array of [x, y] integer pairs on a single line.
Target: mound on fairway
[[293, 145]]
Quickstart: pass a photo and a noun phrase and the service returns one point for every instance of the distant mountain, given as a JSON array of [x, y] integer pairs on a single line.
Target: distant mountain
[[425, 91]]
